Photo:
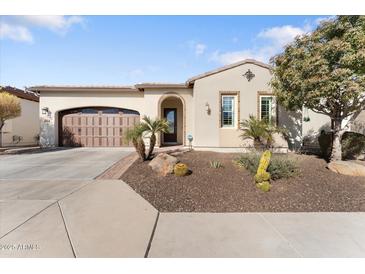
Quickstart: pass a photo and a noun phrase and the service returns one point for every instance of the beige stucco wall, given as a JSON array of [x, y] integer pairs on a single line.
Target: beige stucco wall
[[146, 103], [26, 126], [154, 97], [358, 125], [317, 123], [57, 101], [193, 117], [208, 132]]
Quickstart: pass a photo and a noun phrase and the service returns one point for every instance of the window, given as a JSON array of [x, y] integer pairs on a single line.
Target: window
[[228, 103], [266, 108]]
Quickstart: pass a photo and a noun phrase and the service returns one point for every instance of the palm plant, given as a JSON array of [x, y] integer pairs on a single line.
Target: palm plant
[[152, 127], [260, 131], [254, 129], [135, 135]]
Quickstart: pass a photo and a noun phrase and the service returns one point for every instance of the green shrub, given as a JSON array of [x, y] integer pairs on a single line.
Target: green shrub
[[353, 144], [325, 142], [215, 164], [281, 166]]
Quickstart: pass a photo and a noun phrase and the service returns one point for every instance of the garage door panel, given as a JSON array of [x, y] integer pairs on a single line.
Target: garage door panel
[[96, 127]]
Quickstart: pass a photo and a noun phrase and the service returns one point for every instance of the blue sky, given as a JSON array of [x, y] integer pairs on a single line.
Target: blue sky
[[118, 50]]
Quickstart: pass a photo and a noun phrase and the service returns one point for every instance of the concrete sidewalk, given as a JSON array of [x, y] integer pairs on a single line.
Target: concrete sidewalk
[[275, 235], [106, 218]]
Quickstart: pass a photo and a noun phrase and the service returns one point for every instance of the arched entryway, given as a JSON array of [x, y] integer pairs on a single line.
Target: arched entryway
[[95, 126], [172, 108]]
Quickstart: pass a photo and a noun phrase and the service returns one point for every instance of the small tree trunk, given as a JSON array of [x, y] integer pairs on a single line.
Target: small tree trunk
[[2, 123], [152, 145], [257, 144], [141, 149], [336, 153]]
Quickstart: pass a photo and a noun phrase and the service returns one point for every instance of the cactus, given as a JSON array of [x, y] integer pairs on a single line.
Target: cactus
[[264, 186], [262, 177], [181, 169], [265, 160]]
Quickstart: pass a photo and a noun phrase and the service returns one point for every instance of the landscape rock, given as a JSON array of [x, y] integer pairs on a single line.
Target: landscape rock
[[347, 168], [163, 164]]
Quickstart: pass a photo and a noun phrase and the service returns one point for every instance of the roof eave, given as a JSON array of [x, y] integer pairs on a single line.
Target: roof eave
[[153, 86], [81, 88], [190, 81]]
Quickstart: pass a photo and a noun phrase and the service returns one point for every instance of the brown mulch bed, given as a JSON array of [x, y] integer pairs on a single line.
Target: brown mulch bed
[[232, 189]]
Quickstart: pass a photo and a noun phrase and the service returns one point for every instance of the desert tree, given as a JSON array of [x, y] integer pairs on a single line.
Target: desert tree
[[135, 135], [152, 127], [324, 71], [9, 107]]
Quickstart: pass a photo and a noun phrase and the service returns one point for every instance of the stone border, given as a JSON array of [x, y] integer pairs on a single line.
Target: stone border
[[117, 170]]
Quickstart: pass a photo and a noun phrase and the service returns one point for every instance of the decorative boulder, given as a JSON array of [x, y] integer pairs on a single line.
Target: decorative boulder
[[163, 164], [347, 168]]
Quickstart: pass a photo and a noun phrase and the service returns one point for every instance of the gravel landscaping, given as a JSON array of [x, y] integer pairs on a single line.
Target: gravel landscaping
[[232, 189]]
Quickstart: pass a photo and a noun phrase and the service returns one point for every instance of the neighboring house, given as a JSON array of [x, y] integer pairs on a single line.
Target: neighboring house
[[23, 130], [208, 107]]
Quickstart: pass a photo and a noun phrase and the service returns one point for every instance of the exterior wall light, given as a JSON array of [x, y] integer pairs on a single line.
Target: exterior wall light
[[207, 108], [45, 110]]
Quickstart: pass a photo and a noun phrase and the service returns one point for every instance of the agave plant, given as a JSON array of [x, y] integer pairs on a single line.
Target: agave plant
[[215, 164], [152, 127], [135, 135]]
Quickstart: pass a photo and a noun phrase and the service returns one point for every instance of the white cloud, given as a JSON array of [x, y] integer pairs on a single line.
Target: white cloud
[[15, 32], [56, 23], [273, 40], [261, 54], [283, 35], [321, 19], [18, 28], [200, 49]]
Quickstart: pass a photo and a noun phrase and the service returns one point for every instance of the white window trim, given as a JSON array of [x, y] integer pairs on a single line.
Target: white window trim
[[273, 106], [235, 111]]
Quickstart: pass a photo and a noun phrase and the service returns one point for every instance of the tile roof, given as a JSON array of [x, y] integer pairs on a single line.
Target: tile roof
[[27, 95]]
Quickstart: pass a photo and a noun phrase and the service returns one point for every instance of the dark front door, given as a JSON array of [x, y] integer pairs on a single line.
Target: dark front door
[[170, 116]]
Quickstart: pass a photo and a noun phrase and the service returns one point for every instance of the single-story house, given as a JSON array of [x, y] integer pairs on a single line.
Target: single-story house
[[207, 107], [23, 130]]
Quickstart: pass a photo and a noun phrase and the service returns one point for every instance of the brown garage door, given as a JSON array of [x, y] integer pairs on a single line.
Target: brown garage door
[[96, 127]]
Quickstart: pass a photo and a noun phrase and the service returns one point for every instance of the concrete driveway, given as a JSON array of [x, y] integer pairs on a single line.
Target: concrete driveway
[[76, 163], [74, 218], [51, 206]]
